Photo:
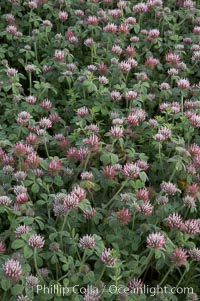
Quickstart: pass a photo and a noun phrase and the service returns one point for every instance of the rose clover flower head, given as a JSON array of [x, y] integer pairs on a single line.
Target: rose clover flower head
[[12, 269], [36, 241], [87, 241], [156, 240]]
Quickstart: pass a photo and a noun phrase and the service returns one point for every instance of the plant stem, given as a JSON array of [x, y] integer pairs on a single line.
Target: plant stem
[[61, 278], [46, 148], [172, 175], [118, 191], [91, 55], [19, 132], [122, 14], [35, 263], [133, 221], [30, 19], [126, 81], [83, 260], [101, 275], [182, 105], [69, 227], [165, 277], [140, 20], [92, 198], [62, 229], [35, 48], [77, 251], [82, 263], [186, 213], [191, 130], [159, 154], [30, 82], [113, 144], [179, 209], [86, 162], [56, 271], [146, 262], [107, 46], [130, 105], [181, 22], [47, 38]]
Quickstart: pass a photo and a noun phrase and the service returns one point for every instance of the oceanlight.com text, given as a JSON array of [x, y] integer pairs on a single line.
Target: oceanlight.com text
[[60, 290]]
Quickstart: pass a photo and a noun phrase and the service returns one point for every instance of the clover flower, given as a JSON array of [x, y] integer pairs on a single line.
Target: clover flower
[[21, 229], [123, 216], [194, 254], [169, 188], [36, 241], [107, 257], [179, 257], [155, 240], [12, 269], [87, 241]]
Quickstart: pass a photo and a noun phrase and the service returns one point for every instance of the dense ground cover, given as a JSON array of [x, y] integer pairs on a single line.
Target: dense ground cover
[[99, 149]]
